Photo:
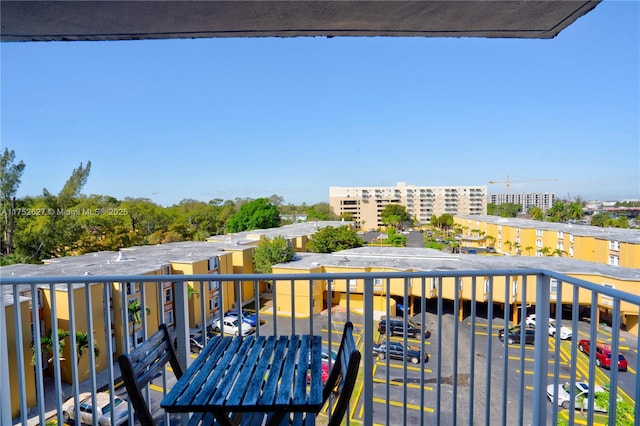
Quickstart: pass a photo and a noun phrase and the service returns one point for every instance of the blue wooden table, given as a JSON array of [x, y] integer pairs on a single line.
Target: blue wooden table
[[243, 380]]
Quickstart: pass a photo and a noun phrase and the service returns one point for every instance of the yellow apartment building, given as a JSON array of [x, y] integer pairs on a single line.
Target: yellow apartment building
[[526, 237], [365, 204], [388, 259]]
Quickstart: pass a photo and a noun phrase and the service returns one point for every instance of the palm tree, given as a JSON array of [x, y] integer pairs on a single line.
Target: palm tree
[[135, 311], [559, 252], [528, 249], [46, 345], [82, 343], [517, 246], [545, 251], [509, 244]]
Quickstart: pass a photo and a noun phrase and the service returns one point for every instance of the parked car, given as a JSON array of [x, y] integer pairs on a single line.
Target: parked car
[[397, 351], [103, 409], [325, 356], [565, 332], [196, 343], [581, 394], [231, 325], [514, 335], [603, 354], [249, 317], [325, 373], [401, 326]]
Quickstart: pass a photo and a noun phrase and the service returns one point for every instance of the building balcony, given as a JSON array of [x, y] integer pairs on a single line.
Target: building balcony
[[471, 376]]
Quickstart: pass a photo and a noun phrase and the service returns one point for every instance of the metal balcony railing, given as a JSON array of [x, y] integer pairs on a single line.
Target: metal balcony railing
[[470, 377]]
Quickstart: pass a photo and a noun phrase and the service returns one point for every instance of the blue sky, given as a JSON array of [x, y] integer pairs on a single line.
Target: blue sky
[[226, 118]]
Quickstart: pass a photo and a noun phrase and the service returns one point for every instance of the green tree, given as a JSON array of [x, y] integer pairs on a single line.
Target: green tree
[[320, 211], [546, 251], [82, 343], [135, 311], [47, 345], [574, 210], [536, 213], [396, 239], [504, 209], [394, 215], [330, 239], [272, 251], [557, 212], [256, 214], [57, 233], [601, 219], [10, 174]]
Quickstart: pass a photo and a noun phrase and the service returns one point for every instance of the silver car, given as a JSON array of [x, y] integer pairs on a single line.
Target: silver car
[[102, 409], [581, 394]]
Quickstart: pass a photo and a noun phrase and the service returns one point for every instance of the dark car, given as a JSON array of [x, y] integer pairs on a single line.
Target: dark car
[[397, 351], [516, 332], [402, 326]]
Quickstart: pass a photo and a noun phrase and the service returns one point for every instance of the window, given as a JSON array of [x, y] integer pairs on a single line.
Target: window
[[514, 288], [214, 285], [213, 263], [377, 284], [132, 288], [560, 234], [614, 245], [486, 285], [353, 284], [168, 317], [168, 295], [614, 260], [538, 232]]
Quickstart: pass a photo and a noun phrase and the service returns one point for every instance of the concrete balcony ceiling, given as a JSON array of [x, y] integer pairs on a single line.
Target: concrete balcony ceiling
[[132, 20]]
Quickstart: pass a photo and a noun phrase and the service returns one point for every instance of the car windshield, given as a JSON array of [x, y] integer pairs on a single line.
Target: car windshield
[[107, 408], [413, 348]]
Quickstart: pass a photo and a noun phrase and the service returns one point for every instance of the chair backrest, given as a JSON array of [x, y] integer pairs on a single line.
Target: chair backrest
[[342, 378], [143, 364]]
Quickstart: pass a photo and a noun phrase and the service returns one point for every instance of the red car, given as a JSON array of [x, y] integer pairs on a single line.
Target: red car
[[325, 373], [603, 354]]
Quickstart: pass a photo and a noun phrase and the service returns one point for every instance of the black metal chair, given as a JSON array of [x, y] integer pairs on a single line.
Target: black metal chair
[[143, 364], [338, 389]]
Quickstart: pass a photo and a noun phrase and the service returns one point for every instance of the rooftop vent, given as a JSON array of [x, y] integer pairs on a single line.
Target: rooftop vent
[[121, 257]]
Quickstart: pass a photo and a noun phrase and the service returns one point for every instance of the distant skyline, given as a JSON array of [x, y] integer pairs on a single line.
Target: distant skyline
[[228, 118]]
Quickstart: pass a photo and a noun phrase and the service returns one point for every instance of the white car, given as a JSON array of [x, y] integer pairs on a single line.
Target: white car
[[231, 325], [581, 394], [565, 332], [85, 407]]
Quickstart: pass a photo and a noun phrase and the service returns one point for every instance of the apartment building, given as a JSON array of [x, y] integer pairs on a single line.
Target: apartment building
[[365, 204], [389, 259], [113, 311], [527, 237], [543, 200]]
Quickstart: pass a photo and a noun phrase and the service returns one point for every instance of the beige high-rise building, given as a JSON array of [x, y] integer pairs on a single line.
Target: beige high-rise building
[[421, 202]]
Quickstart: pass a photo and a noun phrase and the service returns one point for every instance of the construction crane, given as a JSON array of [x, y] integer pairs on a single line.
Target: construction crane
[[507, 182]]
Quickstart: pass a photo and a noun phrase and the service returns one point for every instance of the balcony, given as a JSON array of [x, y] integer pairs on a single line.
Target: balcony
[[471, 377]]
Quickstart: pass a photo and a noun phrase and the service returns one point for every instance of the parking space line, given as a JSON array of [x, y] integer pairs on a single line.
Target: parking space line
[[400, 404]]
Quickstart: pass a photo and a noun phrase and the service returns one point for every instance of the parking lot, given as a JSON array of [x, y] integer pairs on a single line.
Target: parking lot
[[401, 387]]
